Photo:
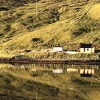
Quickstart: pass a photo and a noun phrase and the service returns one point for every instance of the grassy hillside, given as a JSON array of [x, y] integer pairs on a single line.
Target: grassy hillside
[[54, 22], [21, 82]]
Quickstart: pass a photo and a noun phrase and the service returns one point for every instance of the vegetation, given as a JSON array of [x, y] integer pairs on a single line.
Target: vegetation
[[59, 55], [28, 25], [66, 23]]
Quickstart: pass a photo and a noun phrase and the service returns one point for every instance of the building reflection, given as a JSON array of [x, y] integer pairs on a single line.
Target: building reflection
[[82, 70], [86, 72]]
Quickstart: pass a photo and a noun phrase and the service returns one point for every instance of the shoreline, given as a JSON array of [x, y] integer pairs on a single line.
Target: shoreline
[[51, 61]]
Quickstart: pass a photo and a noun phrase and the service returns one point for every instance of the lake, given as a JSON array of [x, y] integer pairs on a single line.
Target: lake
[[49, 81]]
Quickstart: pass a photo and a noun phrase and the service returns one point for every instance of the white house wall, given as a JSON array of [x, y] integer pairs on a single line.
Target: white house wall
[[57, 49], [82, 50], [93, 50], [87, 50]]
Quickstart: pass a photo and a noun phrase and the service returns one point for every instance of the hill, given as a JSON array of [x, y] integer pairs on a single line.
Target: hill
[[27, 24]]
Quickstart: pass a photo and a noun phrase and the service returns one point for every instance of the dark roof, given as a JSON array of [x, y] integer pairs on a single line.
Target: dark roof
[[86, 75], [85, 45]]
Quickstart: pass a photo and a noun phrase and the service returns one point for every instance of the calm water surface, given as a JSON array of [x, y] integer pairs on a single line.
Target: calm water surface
[[49, 81]]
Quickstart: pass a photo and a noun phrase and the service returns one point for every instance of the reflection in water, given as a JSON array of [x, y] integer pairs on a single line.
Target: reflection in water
[[58, 71], [49, 82], [83, 70], [86, 72]]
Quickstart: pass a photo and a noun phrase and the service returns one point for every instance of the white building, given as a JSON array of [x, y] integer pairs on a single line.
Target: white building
[[57, 49], [57, 71], [86, 48]]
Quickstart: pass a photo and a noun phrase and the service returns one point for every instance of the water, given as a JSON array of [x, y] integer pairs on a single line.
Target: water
[[49, 81]]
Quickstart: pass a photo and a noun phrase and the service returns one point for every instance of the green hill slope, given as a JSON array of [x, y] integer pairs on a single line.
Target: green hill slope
[[48, 23]]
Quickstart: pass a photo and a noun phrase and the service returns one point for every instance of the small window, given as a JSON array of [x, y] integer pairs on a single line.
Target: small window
[[84, 49], [87, 49]]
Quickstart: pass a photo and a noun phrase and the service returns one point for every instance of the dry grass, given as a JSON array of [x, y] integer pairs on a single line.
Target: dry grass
[[20, 26], [94, 12]]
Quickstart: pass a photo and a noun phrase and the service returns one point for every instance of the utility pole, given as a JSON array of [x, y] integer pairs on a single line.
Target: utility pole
[[36, 10], [36, 96]]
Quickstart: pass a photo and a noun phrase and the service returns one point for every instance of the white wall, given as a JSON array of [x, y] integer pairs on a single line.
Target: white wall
[[93, 50], [72, 52], [57, 49], [87, 50], [82, 50]]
